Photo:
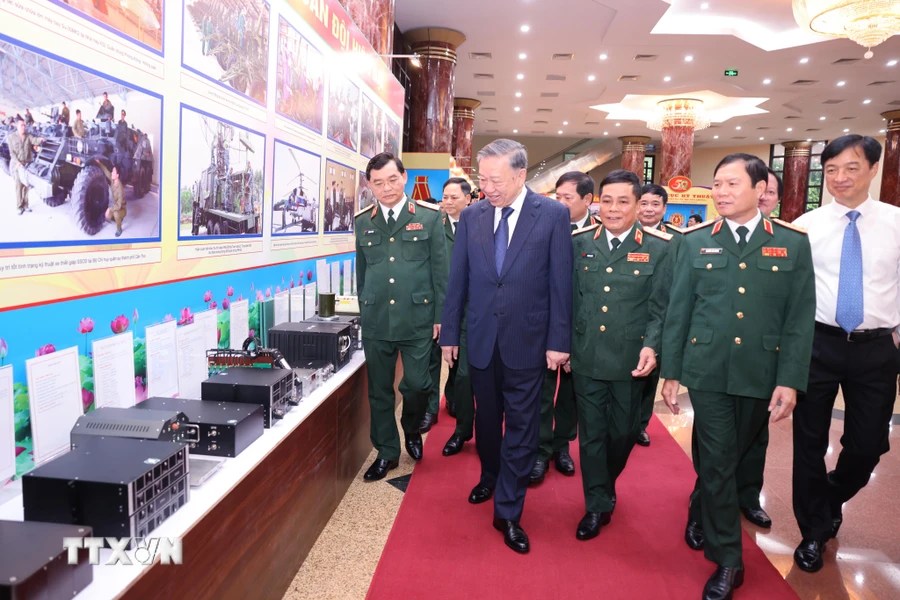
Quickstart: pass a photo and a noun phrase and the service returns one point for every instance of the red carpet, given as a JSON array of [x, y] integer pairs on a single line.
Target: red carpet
[[443, 547]]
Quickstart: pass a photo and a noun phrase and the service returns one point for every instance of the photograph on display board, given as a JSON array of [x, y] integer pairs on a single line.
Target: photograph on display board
[[79, 154], [340, 193], [138, 20], [228, 41], [364, 194], [392, 137], [299, 79], [220, 178], [343, 111], [370, 128], [679, 214], [295, 190]]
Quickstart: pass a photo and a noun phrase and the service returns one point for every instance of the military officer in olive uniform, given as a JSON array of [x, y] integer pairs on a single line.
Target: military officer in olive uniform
[[651, 210], [738, 335], [575, 190], [622, 279], [401, 273], [21, 153], [116, 212]]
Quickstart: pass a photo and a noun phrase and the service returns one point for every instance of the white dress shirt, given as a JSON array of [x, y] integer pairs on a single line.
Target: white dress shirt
[[396, 208], [514, 217], [621, 237], [750, 225], [453, 223], [879, 231]]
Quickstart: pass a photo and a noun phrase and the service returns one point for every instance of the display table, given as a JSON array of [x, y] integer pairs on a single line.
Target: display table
[[246, 531]]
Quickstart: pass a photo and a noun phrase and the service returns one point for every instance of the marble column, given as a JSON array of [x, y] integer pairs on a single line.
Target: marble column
[[633, 150], [677, 152], [375, 19], [890, 169], [431, 88], [463, 130], [796, 179]]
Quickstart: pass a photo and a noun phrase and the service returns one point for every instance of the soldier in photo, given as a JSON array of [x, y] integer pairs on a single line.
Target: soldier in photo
[[64, 114], [78, 128], [106, 114], [116, 212], [401, 273], [21, 153]]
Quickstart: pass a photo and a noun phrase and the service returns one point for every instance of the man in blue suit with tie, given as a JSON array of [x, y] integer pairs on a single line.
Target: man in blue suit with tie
[[512, 265]]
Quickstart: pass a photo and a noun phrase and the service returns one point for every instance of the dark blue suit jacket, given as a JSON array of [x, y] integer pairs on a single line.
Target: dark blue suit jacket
[[527, 309]]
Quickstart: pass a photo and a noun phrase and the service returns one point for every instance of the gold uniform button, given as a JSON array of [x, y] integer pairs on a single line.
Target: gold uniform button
[[737, 341], [370, 243], [604, 308], [603, 328], [709, 266], [391, 280], [392, 239], [426, 300], [742, 266], [606, 288], [693, 340], [636, 272], [393, 301], [415, 239], [740, 315], [585, 268], [775, 268], [741, 289], [609, 269], [392, 259]]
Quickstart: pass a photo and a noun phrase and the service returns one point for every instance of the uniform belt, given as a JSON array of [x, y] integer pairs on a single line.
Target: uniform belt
[[859, 335]]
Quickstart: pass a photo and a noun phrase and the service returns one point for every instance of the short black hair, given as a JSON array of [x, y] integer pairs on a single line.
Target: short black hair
[[584, 184], [756, 168], [656, 190], [623, 176], [380, 161], [780, 183], [464, 185], [695, 216], [870, 147]]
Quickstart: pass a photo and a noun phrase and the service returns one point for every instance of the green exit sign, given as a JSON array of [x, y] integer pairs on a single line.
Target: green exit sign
[[731, 73]]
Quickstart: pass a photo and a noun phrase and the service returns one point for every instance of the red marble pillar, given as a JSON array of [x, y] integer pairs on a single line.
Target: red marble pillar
[[463, 130], [633, 150], [431, 88], [796, 179], [375, 19], [677, 152], [890, 169]]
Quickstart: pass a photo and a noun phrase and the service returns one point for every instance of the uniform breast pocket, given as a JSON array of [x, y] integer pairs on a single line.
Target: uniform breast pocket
[[415, 245], [635, 279], [776, 273], [372, 247], [586, 273], [710, 274]]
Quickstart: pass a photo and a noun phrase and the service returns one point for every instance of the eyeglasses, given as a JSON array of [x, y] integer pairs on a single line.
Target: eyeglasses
[[380, 183]]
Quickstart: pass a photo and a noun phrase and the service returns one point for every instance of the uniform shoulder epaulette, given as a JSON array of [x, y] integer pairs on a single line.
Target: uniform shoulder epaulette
[[363, 210], [660, 234], [584, 229], [790, 226], [675, 229], [699, 227], [424, 204]]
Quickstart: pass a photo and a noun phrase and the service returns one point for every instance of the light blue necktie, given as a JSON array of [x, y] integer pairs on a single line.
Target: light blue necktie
[[849, 313], [501, 238]]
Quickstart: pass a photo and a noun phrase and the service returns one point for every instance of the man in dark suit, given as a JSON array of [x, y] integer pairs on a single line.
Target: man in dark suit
[[512, 262]]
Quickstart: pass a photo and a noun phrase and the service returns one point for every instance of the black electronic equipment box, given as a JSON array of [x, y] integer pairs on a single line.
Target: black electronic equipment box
[[353, 320], [117, 486], [223, 428], [162, 425], [34, 563], [273, 389], [309, 340]]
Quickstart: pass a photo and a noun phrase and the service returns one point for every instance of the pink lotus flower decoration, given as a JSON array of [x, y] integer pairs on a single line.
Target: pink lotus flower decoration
[[213, 304], [4, 349], [187, 317], [292, 282], [86, 325], [20, 450], [268, 292], [207, 296], [259, 296], [168, 318], [225, 304], [277, 289], [229, 291], [45, 349], [87, 398], [119, 324], [140, 392], [309, 275]]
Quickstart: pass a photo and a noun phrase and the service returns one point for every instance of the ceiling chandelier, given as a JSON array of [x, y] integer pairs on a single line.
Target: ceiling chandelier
[[679, 112], [866, 22]]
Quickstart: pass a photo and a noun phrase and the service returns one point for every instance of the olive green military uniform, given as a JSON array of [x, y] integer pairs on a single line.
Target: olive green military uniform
[[558, 419], [117, 210], [652, 380], [458, 388], [21, 153], [401, 274], [740, 323], [620, 305]]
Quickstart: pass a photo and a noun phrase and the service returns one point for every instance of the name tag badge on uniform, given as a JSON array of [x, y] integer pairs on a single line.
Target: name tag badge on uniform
[[641, 257], [414, 227], [774, 252], [368, 232], [586, 255], [711, 250]]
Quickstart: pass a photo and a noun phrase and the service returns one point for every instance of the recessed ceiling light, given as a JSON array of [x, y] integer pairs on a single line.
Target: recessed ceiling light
[[715, 137], [522, 56], [560, 131], [804, 60], [867, 101], [525, 28], [667, 78], [607, 133], [822, 118], [565, 122], [892, 62], [846, 131], [689, 58], [518, 94], [618, 124], [808, 139], [592, 77], [604, 56], [881, 131], [767, 81], [704, 6], [517, 108], [520, 76], [761, 138], [789, 129], [515, 131], [841, 83], [738, 127]]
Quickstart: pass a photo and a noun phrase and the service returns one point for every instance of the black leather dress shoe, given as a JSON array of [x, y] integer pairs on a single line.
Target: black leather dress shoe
[[454, 445], [379, 469], [808, 555], [643, 439], [590, 524], [513, 534], [537, 472], [564, 463], [427, 421], [414, 445], [723, 582], [757, 516], [693, 535], [480, 493]]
